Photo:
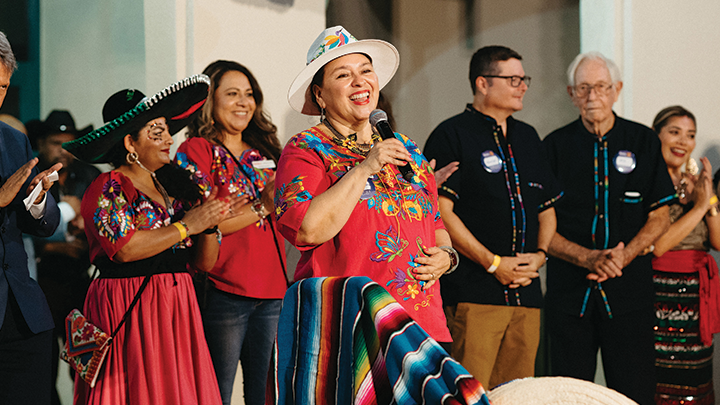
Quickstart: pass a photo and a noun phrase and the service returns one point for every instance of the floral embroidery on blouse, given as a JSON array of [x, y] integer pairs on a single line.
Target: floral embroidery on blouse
[[240, 180], [220, 170], [405, 283], [329, 152], [200, 178], [290, 194], [393, 195], [400, 200], [113, 218]]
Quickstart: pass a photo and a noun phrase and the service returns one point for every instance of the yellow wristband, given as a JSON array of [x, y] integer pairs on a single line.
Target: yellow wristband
[[182, 228], [495, 264], [713, 200]]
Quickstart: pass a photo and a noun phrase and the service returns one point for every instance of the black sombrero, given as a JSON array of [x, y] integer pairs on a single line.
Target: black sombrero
[[128, 110]]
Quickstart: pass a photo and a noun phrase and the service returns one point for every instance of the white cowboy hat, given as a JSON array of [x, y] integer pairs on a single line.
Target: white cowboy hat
[[554, 391], [331, 44]]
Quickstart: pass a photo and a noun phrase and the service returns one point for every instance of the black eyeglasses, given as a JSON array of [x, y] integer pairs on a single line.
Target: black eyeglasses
[[514, 80]]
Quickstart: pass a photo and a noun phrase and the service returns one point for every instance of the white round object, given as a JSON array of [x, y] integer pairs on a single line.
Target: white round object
[[556, 391]]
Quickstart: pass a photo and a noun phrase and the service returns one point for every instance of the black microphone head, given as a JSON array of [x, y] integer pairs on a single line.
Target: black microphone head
[[376, 116]]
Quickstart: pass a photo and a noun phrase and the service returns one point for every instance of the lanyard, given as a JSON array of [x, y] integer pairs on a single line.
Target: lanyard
[[604, 188], [497, 132]]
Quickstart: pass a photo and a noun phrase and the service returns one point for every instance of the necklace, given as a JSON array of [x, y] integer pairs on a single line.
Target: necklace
[[681, 188], [350, 141], [160, 189]]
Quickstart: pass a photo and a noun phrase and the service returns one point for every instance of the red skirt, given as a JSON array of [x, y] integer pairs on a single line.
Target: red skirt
[[160, 355]]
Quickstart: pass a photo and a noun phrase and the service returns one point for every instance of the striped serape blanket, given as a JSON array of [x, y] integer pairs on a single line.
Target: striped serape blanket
[[347, 341]]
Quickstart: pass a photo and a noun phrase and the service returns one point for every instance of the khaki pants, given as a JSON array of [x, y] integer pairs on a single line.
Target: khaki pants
[[495, 343]]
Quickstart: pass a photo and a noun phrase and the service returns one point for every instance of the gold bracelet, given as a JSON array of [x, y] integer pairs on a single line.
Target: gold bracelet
[[495, 264], [183, 228], [713, 206]]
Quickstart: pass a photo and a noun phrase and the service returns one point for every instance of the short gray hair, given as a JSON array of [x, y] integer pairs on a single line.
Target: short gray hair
[[611, 66], [7, 58]]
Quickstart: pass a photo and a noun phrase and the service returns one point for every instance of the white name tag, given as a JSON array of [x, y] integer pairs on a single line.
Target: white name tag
[[264, 164], [625, 161]]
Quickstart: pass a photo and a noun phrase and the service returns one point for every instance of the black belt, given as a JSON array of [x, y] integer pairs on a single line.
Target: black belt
[[168, 261]]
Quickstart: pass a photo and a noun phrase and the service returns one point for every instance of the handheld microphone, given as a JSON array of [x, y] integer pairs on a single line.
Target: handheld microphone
[[379, 120]]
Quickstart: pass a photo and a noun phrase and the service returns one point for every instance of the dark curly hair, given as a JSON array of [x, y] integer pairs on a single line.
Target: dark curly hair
[[260, 134]]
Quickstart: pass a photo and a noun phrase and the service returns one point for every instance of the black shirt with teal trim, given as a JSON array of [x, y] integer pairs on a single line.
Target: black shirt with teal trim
[[637, 183], [485, 195]]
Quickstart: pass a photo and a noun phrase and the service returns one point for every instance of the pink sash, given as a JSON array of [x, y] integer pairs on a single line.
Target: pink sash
[[690, 261]]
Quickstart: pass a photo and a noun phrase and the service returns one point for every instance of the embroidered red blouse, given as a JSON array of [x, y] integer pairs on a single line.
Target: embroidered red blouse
[[248, 264], [385, 232]]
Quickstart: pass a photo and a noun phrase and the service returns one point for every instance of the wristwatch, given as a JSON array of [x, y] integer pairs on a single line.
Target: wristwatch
[[454, 258]]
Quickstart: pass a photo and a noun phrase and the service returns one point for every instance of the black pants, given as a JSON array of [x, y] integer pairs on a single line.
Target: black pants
[[25, 360], [626, 340]]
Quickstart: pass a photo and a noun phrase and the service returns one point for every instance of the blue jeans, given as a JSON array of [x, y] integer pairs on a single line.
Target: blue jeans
[[240, 328]]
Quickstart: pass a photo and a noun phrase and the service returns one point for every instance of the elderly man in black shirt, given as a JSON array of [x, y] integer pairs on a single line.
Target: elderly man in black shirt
[[498, 210], [600, 287]]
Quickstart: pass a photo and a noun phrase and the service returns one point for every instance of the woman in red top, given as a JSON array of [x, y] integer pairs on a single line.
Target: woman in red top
[[139, 232], [340, 197], [233, 148]]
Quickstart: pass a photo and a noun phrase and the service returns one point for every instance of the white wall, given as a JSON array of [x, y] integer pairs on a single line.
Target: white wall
[[435, 49], [147, 44], [86, 56], [270, 38], [676, 62]]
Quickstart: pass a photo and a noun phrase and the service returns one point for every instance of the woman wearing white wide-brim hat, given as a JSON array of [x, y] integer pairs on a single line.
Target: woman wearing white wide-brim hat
[[340, 197]]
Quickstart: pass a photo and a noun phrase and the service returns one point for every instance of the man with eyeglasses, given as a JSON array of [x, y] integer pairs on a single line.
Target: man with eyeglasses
[[599, 286], [498, 209]]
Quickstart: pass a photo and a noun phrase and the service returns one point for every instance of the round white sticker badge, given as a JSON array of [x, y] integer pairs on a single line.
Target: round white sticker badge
[[625, 161], [491, 162]]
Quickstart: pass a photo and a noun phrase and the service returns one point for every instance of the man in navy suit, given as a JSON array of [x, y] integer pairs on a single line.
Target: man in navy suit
[[25, 321]]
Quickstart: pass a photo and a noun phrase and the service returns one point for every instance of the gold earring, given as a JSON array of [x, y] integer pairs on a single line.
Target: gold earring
[[131, 157]]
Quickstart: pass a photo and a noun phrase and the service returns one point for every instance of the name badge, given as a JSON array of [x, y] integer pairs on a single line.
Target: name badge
[[625, 161], [369, 190], [491, 162], [264, 164]]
